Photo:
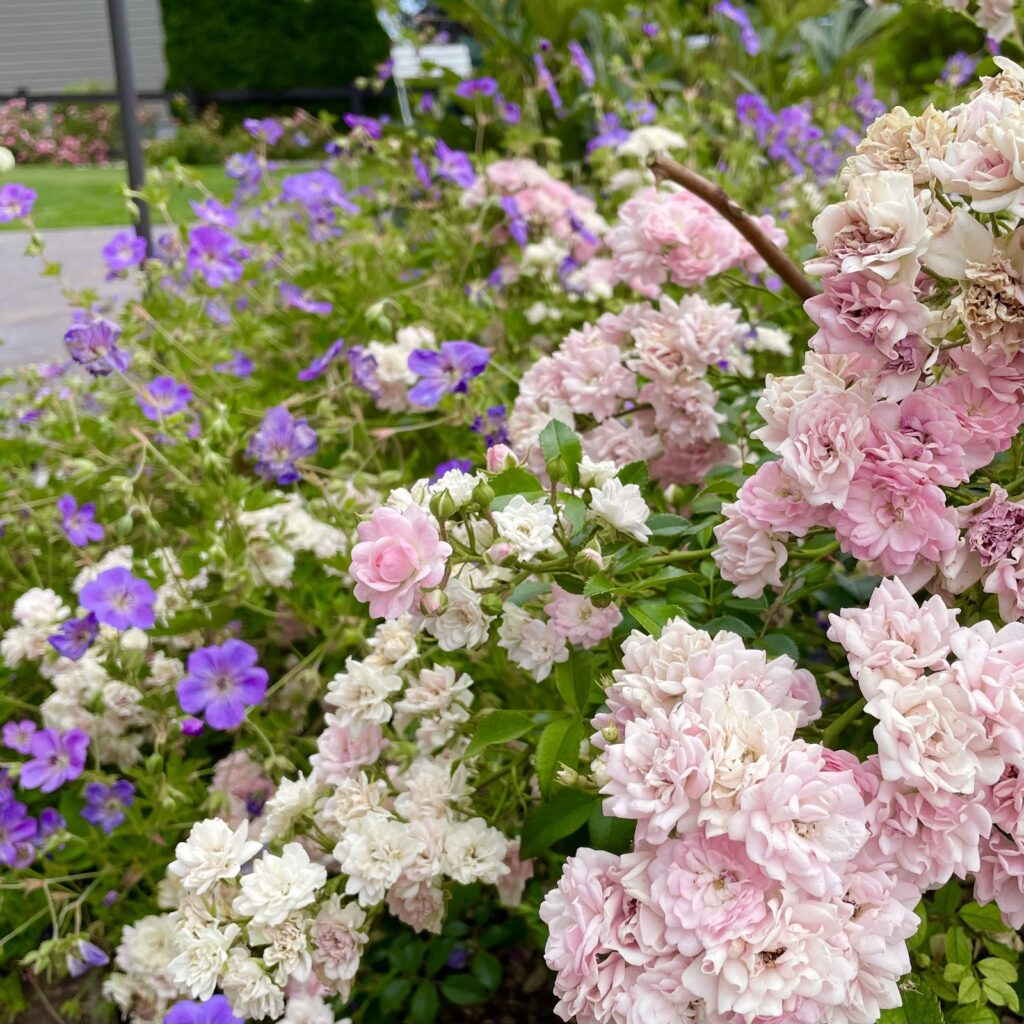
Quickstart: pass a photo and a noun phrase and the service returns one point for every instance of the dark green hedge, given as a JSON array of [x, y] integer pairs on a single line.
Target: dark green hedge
[[270, 44]]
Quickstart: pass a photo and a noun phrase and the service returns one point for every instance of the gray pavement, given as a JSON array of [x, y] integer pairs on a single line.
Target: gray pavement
[[33, 313]]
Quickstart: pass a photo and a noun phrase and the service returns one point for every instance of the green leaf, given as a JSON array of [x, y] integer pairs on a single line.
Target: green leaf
[[653, 615], [559, 744], [424, 1004], [993, 967], [463, 990], [983, 919], [597, 585], [574, 512], [665, 526], [958, 947], [394, 992], [437, 955], [1000, 993], [779, 643], [972, 1015], [516, 481], [612, 834], [573, 679], [565, 812], [731, 623], [948, 898], [921, 1006], [968, 991], [486, 968], [561, 447], [634, 473], [893, 1016], [497, 727]]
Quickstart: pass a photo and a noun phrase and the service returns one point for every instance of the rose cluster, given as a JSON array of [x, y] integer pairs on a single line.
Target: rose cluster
[[635, 384], [915, 377]]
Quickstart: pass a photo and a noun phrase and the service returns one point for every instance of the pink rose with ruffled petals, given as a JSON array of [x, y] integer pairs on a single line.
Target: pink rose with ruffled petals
[[399, 554], [802, 823], [343, 749], [1000, 878], [748, 556], [578, 619], [1006, 581], [772, 500]]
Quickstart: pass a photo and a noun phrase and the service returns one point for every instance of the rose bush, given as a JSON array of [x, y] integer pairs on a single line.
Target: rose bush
[[444, 558]]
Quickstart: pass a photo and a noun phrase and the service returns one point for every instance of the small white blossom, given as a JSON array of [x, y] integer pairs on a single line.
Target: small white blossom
[[249, 989], [474, 852], [529, 528], [212, 852], [362, 693], [277, 886], [203, 952], [373, 852], [292, 799], [463, 624], [622, 506], [533, 644]]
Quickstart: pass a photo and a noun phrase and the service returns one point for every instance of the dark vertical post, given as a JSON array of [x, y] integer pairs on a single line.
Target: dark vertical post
[[129, 119]]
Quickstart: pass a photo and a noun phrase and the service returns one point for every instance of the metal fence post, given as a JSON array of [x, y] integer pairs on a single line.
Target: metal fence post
[[129, 116]]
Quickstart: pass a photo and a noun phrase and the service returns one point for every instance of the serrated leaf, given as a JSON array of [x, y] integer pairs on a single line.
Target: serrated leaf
[[993, 967], [597, 585], [559, 744], [778, 643], [653, 615], [573, 679], [730, 623], [634, 473], [463, 990], [574, 512], [1000, 993], [515, 481], [972, 1015], [958, 947], [486, 968], [921, 1006], [424, 1004], [497, 727], [565, 812], [983, 919], [893, 1015], [559, 443]]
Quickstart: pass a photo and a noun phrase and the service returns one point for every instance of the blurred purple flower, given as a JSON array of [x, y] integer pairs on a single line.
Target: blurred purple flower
[[476, 87], [126, 249], [959, 69], [16, 736], [16, 202], [369, 126], [17, 830], [294, 297], [212, 253], [86, 955], [216, 1010], [92, 341], [517, 226], [454, 165], [78, 521], [445, 372], [582, 62], [216, 214], [56, 758], [463, 465], [264, 129], [119, 599], [162, 397], [74, 636], [740, 18], [546, 82], [222, 682], [490, 425], [318, 367], [105, 806], [239, 365], [279, 441], [364, 370]]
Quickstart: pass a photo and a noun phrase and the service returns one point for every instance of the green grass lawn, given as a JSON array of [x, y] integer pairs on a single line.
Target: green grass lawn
[[71, 197]]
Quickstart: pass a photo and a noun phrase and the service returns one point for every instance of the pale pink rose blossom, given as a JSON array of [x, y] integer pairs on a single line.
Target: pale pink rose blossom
[[398, 556], [747, 556], [894, 637], [995, 527], [1000, 878], [802, 823], [578, 619], [772, 500], [343, 749], [1006, 581]]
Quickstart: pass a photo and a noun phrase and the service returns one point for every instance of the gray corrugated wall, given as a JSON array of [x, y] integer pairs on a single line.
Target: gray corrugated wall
[[49, 45]]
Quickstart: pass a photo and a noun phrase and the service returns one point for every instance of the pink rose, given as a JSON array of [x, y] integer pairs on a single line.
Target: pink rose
[[747, 556], [771, 499], [399, 554]]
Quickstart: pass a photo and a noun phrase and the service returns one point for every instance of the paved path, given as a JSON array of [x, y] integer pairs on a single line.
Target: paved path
[[33, 313]]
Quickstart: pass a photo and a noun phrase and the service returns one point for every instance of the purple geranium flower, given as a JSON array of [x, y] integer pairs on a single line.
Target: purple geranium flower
[[959, 69], [476, 87], [866, 105], [369, 126], [105, 805], [421, 170], [51, 821], [449, 370], [427, 104], [463, 465], [75, 636], [86, 955], [582, 62], [162, 397], [740, 18], [78, 521], [454, 165], [92, 342], [17, 830], [119, 599], [212, 252], [509, 112], [244, 168], [517, 226], [16, 201], [546, 82], [280, 440], [56, 759], [364, 370], [126, 249], [491, 426], [610, 133], [292, 295], [222, 682], [216, 1010], [651, 29], [17, 734], [216, 214], [318, 367], [239, 365], [264, 129]]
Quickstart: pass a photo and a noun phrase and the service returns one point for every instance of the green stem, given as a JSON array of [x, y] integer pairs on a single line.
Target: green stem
[[832, 733]]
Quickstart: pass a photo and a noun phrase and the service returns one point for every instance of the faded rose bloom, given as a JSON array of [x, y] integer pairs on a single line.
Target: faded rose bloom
[[995, 527]]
